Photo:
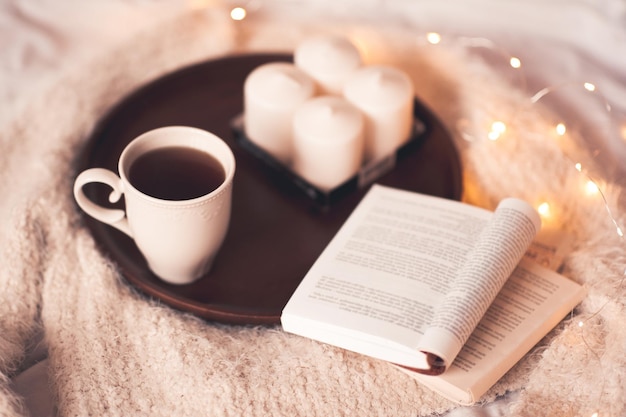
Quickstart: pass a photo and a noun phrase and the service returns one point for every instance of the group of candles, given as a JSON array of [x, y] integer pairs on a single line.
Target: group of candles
[[327, 113]]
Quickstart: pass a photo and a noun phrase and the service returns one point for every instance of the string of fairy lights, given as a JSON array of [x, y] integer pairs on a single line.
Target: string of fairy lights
[[498, 128], [497, 131], [591, 187]]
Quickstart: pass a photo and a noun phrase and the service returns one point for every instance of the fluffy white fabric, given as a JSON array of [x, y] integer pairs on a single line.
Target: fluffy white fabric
[[113, 352]]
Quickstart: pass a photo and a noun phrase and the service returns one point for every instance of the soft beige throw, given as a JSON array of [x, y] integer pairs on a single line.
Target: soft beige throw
[[114, 352]]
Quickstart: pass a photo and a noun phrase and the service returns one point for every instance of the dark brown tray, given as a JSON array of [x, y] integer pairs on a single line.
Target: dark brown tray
[[276, 233]]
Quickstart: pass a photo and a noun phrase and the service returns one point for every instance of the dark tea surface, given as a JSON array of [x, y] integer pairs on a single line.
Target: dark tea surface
[[176, 173]]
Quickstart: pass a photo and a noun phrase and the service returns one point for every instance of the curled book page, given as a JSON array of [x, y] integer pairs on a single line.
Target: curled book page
[[433, 365], [498, 250]]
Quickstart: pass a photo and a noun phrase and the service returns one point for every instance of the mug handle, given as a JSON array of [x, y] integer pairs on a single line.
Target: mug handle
[[114, 217]]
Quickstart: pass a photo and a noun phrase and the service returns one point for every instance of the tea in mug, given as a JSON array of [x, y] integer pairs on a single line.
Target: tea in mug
[[176, 173]]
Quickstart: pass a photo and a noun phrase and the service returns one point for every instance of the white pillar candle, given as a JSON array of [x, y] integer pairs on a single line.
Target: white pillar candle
[[328, 141], [329, 60], [385, 96], [272, 92]]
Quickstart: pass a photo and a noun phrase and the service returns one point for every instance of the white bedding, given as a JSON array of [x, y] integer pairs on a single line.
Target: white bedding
[[558, 42]]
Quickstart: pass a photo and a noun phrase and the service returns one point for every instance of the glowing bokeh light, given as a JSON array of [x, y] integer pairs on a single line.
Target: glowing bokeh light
[[591, 188], [515, 62], [433, 38], [544, 209], [238, 13]]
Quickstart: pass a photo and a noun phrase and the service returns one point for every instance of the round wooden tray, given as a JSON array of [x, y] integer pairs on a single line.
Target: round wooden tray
[[276, 232]]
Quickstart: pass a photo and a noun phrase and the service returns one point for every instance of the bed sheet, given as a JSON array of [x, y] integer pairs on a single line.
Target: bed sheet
[[557, 40]]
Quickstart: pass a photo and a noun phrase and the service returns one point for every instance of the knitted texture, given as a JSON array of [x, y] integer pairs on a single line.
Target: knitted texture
[[115, 352]]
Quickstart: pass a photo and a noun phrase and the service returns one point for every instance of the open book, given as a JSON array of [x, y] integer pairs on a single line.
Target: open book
[[434, 286]]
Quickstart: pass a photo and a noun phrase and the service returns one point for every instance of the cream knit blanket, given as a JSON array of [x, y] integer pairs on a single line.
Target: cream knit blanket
[[114, 352]]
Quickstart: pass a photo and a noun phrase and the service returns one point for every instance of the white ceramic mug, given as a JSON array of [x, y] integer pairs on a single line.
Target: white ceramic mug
[[179, 236]]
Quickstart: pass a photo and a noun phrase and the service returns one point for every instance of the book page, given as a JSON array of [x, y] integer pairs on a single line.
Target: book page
[[530, 304], [550, 247], [375, 288], [488, 266]]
